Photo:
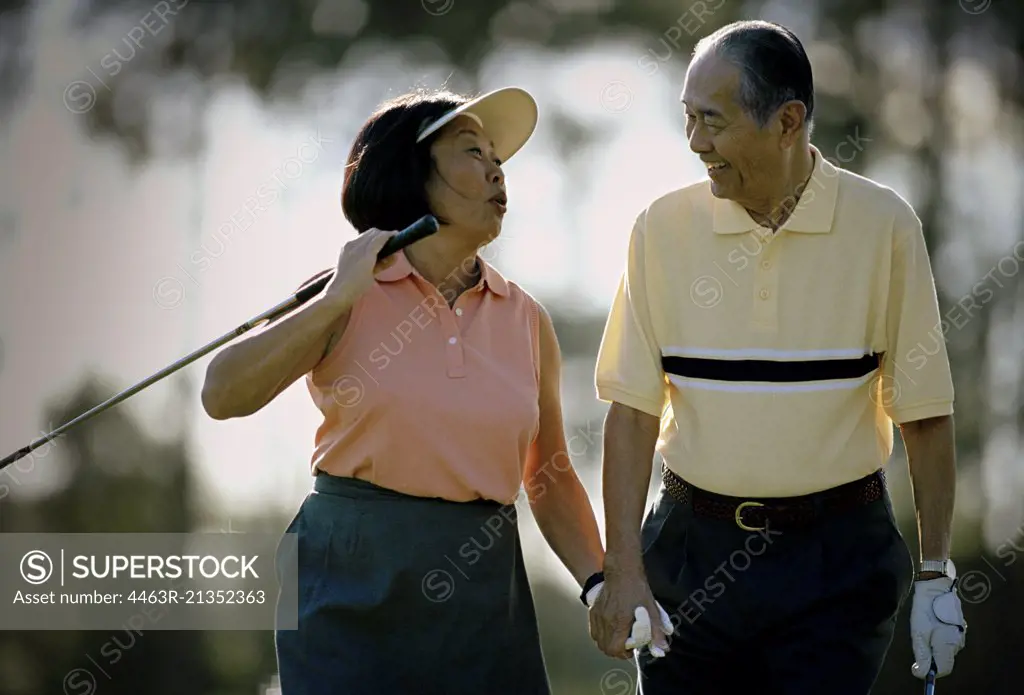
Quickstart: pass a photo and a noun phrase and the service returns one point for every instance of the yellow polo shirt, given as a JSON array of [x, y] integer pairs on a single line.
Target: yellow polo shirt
[[777, 364]]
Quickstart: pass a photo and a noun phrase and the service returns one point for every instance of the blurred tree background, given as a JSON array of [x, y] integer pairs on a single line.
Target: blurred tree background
[[934, 87]]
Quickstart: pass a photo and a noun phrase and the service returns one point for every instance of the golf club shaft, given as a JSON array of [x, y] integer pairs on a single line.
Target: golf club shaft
[[423, 227], [929, 681], [167, 371]]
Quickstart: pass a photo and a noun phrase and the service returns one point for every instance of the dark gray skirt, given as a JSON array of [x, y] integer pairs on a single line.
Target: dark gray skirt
[[399, 594]]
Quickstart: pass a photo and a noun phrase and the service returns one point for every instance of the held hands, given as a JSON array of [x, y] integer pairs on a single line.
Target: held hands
[[612, 612], [937, 626], [357, 265]]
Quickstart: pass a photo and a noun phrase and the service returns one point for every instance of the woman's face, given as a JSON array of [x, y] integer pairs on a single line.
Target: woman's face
[[467, 187]]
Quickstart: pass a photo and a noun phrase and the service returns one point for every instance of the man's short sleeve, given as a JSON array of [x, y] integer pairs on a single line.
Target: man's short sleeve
[[629, 359], [916, 381]]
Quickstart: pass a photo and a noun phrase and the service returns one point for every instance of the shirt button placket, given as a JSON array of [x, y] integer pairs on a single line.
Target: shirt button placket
[[766, 284], [454, 353]]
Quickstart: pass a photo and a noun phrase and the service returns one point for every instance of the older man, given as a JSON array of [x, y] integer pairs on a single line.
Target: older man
[[768, 326]]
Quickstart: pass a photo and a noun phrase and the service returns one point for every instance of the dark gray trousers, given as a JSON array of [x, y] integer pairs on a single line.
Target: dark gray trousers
[[794, 611]]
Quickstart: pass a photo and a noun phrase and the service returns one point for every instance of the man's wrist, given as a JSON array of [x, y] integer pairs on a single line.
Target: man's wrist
[[931, 568], [624, 564]]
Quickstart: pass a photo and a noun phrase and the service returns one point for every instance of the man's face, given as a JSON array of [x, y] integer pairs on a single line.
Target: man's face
[[742, 158]]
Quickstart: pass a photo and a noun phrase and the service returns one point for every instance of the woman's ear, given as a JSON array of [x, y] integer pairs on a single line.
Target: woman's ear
[[434, 189]]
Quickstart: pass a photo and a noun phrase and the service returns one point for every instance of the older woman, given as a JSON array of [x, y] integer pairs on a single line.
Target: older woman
[[438, 380]]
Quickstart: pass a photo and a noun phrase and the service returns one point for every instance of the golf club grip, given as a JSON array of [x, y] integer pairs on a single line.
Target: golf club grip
[[420, 229]]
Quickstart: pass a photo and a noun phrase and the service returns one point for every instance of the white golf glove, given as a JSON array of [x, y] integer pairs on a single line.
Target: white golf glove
[[937, 626], [641, 634]]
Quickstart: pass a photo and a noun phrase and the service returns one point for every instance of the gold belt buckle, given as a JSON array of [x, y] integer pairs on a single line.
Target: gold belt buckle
[[739, 520]]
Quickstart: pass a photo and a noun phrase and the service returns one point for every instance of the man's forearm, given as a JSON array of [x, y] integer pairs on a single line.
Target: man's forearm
[[931, 456], [629, 439]]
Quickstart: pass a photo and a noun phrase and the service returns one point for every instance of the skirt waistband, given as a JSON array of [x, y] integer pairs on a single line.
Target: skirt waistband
[[354, 488]]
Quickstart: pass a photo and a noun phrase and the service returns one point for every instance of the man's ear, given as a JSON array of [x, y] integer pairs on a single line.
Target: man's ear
[[792, 119]]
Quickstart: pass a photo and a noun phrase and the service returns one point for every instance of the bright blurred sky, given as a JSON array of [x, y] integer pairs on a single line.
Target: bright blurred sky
[[97, 273]]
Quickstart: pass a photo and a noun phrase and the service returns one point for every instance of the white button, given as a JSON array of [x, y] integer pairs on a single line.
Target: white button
[[763, 294], [452, 340], [766, 264], [458, 312]]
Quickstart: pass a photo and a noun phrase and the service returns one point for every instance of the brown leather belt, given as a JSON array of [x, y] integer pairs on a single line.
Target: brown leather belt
[[757, 513]]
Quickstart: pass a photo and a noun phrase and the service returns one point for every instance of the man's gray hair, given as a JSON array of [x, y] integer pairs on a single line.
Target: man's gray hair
[[773, 66]]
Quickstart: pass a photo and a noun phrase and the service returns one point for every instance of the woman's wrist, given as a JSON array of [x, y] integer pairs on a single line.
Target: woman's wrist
[[591, 581]]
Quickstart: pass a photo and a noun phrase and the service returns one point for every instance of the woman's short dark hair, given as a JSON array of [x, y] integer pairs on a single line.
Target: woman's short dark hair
[[387, 170]]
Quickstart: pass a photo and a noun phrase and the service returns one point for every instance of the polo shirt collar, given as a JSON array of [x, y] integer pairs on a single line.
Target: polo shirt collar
[[813, 213], [402, 268]]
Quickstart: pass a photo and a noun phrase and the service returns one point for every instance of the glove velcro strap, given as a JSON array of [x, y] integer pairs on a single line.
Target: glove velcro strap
[[948, 610]]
